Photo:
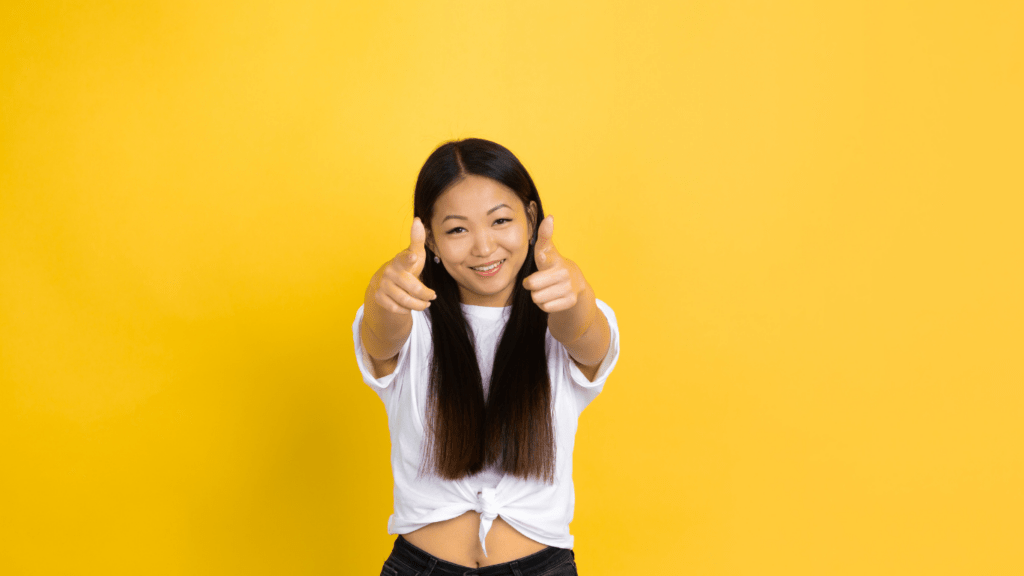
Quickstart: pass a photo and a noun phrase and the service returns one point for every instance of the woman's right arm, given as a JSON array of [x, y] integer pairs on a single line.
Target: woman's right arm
[[394, 291]]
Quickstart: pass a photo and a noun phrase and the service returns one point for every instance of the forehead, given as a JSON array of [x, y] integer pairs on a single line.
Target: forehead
[[474, 196]]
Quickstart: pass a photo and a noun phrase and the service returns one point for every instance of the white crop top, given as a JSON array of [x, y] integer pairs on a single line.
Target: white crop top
[[541, 512]]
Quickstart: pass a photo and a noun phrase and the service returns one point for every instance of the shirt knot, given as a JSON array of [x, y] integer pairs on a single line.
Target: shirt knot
[[488, 513]]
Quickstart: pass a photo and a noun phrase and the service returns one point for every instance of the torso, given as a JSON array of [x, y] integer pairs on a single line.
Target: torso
[[458, 540]]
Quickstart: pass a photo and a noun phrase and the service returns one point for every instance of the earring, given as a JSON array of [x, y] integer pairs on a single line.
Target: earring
[[437, 260]]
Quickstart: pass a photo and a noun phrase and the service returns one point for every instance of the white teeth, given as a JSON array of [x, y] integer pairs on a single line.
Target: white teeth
[[491, 267]]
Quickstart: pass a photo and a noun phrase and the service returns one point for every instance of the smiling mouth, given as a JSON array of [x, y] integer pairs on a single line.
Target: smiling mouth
[[488, 268]]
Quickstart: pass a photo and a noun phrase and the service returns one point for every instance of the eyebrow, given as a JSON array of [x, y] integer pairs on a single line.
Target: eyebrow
[[453, 216]]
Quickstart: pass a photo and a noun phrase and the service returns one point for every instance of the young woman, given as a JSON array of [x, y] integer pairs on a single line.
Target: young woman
[[485, 344]]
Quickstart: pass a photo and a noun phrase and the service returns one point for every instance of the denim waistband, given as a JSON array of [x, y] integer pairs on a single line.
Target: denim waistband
[[420, 560]]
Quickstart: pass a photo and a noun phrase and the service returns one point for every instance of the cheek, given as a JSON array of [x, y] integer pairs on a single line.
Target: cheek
[[443, 247], [518, 245], [451, 252], [517, 240]]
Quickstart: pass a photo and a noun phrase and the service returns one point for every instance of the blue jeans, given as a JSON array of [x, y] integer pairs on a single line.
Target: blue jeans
[[408, 560]]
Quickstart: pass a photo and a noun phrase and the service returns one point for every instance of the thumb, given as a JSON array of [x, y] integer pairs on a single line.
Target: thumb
[[544, 253], [418, 256]]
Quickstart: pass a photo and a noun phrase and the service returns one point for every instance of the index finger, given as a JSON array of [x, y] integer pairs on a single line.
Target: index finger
[[415, 287]]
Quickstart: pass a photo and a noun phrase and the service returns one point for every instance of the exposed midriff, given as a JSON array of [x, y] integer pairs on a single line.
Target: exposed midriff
[[457, 540]]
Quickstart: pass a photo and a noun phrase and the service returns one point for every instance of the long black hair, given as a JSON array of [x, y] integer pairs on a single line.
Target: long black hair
[[513, 427]]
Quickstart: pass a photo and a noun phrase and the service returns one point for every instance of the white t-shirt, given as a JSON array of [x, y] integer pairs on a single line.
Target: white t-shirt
[[540, 511]]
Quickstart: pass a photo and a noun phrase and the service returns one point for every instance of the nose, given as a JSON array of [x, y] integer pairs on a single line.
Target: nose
[[483, 244]]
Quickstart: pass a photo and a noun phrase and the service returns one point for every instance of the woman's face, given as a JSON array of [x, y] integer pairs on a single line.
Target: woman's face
[[477, 223]]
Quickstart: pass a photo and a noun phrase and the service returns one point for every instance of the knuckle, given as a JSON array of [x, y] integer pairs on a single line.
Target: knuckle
[[411, 303]]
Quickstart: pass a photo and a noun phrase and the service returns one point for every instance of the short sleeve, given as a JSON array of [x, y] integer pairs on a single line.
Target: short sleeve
[[585, 390], [366, 365]]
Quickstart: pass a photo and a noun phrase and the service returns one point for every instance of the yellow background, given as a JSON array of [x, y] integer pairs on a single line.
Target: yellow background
[[806, 215]]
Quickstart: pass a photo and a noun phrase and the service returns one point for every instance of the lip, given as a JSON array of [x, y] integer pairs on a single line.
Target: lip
[[490, 272]]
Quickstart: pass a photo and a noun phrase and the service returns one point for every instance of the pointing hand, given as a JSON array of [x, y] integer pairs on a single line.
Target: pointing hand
[[558, 281], [399, 289]]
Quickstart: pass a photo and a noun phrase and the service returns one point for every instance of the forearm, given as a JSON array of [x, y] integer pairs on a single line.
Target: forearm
[[582, 329]]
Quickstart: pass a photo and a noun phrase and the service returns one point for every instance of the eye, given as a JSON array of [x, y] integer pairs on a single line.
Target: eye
[[501, 220], [453, 230]]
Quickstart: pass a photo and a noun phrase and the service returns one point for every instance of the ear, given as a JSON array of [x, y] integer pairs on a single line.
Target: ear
[[531, 216], [429, 241]]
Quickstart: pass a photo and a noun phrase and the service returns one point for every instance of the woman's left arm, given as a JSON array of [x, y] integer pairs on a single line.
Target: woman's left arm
[[559, 288]]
